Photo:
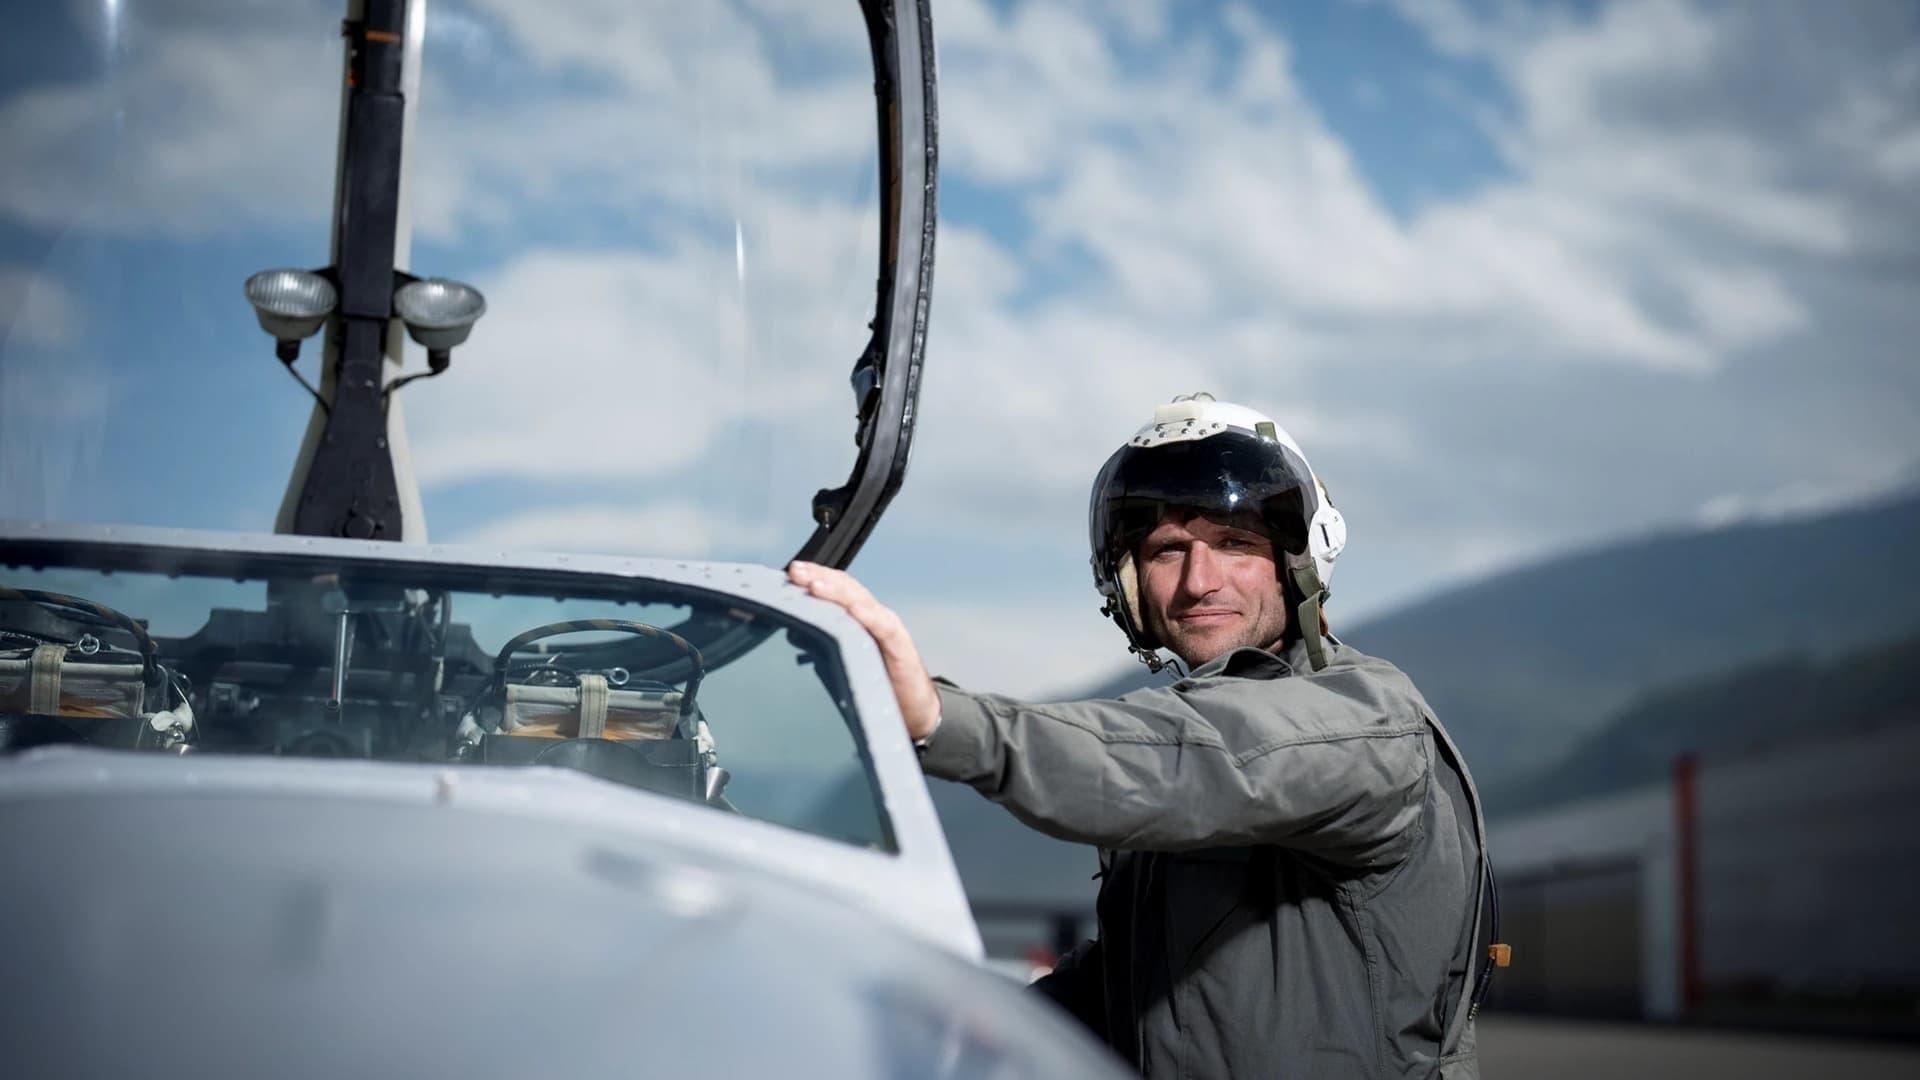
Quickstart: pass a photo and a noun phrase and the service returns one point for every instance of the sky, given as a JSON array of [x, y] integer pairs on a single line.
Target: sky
[[1520, 278]]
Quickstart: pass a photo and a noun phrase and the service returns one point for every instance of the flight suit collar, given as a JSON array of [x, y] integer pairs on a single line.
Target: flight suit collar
[[1253, 663]]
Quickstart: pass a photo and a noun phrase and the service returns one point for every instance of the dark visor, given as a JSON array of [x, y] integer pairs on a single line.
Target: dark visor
[[1231, 473]]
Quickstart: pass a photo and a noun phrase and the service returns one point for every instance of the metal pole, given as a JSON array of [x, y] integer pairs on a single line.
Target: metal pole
[[349, 487], [1686, 870]]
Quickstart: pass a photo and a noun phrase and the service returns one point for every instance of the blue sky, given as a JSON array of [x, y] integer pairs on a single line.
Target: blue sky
[[1520, 277]]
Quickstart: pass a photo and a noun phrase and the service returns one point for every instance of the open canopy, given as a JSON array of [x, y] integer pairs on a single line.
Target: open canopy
[[697, 282]]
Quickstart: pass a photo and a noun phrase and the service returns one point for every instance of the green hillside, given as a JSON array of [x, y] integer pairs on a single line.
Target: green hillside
[[1782, 699], [1525, 665]]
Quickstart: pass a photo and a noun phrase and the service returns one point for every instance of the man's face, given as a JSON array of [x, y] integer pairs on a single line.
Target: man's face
[[1209, 585]]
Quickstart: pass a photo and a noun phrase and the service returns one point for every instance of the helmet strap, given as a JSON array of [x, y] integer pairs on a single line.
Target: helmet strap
[[1121, 612], [1132, 618], [1307, 580], [1129, 578], [1149, 657]]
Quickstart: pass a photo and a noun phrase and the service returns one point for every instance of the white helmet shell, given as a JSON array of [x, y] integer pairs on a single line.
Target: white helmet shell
[[1213, 456], [1190, 418]]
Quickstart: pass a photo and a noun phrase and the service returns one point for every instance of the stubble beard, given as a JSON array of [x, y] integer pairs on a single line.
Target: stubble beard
[[1266, 633]]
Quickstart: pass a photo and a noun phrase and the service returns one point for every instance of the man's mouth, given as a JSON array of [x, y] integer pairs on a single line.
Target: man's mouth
[[1208, 617]]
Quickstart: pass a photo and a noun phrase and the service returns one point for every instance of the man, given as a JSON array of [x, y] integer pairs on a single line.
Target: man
[[1291, 847]]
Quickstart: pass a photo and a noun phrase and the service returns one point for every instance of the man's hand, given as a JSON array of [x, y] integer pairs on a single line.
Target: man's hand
[[919, 704]]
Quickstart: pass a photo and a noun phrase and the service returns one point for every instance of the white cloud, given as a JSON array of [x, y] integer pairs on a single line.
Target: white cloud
[[1488, 31], [672, 528], [219, 120], [1659, 106], [1197, 224], [629, 364], [1032, 83], [41, 398], [654, 111], [1801, 499], [1026, 649], [35, 310], [571, 372], [1229, 197], [1235, 246], [1170, 212], [1740, 306], [1464, 553], [55, 402], [1898, 159], [53, 422]]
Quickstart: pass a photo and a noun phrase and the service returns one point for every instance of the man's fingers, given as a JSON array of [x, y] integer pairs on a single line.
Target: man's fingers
[[919, 704], [841, 588], [829, 584], [823, 580]]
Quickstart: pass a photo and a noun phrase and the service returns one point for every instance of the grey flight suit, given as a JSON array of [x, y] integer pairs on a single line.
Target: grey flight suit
[[1292, 876]]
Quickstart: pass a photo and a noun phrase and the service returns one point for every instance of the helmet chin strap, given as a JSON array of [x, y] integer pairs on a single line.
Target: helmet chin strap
[[1147, 656], [1125, 609], [1307, 580]]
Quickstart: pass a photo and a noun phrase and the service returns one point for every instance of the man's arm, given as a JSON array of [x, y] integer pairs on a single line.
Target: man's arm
[[1334, 762], [1315, 762], [912, 686]]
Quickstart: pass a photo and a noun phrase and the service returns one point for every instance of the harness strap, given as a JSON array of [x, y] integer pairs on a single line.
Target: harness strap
[[593, 707], [1307, 579], [1479, 963], [43, 696]]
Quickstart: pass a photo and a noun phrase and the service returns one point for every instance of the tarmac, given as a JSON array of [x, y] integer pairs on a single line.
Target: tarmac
[[1521, 1048]]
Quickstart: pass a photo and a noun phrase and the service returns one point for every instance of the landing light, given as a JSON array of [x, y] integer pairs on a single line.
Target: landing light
[[439, 314], [291, 305]]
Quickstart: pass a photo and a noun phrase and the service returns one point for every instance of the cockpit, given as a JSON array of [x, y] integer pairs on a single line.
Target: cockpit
[[654, 684]]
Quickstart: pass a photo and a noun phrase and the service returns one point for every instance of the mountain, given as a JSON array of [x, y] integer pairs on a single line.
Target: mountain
[[1784, 699]]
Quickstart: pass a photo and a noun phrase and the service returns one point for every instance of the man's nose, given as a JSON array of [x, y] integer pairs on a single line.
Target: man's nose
[[1202, 574]]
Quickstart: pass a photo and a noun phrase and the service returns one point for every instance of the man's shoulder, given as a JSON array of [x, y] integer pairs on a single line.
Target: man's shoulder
[[1341, 654], [1353, 685], [1346, 657]]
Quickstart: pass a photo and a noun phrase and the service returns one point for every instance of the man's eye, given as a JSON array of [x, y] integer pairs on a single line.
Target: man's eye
[[1161, 554]]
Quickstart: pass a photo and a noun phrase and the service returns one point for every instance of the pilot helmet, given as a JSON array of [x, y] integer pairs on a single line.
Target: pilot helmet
[[1216, 457]]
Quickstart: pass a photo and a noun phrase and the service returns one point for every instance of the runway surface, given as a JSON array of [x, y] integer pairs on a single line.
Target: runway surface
[[1520, 1048]]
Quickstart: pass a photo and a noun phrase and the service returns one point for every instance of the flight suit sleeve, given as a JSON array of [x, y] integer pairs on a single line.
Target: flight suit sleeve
[[1335, 763]]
